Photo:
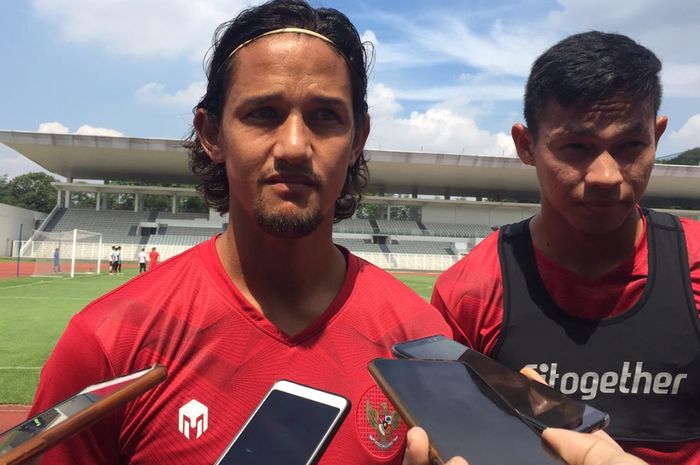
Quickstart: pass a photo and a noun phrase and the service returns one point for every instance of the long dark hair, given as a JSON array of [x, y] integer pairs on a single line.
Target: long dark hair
[[250, 24]]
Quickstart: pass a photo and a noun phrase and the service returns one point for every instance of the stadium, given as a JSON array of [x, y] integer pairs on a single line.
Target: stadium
[[429, 209]]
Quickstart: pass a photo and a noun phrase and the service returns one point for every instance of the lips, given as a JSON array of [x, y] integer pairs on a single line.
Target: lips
[[292, 179]]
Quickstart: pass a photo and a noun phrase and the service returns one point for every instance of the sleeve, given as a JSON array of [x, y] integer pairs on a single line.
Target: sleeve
[[76, 362], [438, 302], [691, 230], [469, 295]]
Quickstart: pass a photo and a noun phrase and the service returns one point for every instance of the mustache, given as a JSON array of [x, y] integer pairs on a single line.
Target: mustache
[[284, 172]]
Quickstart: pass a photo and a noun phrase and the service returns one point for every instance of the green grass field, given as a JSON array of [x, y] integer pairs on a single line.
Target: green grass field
[[35, 312]]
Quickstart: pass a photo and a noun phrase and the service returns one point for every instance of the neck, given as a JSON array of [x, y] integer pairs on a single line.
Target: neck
[[588, 255], [290, 281]]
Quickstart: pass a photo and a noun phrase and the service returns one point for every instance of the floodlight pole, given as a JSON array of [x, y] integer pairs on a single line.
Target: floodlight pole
[[99, 255], [72, 260], [19, 249]]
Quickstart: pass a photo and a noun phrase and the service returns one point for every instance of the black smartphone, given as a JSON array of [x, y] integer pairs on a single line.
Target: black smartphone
[[291, 425], [538, 404], [460, 412], [33, 436]]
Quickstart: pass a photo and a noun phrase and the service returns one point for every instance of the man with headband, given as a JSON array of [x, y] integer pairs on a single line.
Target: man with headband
[[278, 143]]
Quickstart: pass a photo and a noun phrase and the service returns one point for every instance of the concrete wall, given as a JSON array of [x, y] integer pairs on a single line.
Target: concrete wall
[[488, 213], [10, 220]]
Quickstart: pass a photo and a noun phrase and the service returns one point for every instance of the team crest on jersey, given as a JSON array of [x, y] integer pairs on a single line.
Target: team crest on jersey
[[381, 429], [193, 419]]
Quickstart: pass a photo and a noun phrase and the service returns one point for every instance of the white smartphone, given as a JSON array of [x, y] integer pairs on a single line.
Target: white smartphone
[[292, 425]]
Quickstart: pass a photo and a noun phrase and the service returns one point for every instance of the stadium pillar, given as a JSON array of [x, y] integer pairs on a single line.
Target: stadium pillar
[[174, 205], [137, 201], [98, 200], [67, 194], [388, 211]]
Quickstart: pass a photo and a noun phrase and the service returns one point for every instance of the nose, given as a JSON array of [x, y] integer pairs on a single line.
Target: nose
[[604, 172], [293, 143]]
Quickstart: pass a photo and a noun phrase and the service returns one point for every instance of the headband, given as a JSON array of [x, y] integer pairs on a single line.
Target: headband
[[280, 31]]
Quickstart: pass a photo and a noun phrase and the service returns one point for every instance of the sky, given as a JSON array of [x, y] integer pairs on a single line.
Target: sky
[[448, 76]]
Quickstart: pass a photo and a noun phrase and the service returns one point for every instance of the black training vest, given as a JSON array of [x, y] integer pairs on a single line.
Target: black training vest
[[642, 367]]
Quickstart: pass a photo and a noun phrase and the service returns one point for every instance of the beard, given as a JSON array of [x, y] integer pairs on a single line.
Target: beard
[[285, 225]]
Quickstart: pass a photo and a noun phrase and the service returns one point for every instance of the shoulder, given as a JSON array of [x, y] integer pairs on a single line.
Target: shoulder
[[481, 263], [167, 279], [378, 294], [371, 278], [691, 230]]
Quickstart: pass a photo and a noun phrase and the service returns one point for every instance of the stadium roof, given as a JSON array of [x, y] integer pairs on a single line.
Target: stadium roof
[[165, 160]]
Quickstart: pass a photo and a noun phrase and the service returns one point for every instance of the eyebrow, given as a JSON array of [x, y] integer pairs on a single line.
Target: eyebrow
[[631, 128], [263, 99]]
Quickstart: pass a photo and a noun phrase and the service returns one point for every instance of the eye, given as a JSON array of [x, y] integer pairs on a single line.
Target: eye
[[575, 146], [326, 114], [263, 113], [635, 144]]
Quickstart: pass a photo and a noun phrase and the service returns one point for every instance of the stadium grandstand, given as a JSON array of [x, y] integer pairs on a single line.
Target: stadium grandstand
[[428, 210]]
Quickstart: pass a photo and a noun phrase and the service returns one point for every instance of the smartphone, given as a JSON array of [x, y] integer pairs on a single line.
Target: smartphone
[[460, 412], [538, 404], [292, 425], [35, 435]]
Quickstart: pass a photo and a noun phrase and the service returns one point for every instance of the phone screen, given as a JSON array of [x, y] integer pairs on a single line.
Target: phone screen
[[30, 428], [69, 409], [286, 428], [460, 413], [537, 403]]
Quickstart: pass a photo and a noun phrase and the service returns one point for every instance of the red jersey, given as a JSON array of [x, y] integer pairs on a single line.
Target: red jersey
[[153, 257], [470, 296], [222, 356]]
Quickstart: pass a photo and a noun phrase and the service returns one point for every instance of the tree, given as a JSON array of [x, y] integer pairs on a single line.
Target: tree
[[689, 157], [4, 189], [32, 191]]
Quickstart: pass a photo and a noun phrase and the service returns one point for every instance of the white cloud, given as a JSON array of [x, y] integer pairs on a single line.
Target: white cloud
[[143, 28], [688, 136], [438, 129], [53, 127], [681, 80], [86, 130], [154, 93]]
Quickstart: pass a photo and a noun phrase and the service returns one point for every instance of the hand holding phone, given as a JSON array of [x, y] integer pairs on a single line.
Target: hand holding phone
[[461, 414], [34, 436], [537, 404], [291, 425]]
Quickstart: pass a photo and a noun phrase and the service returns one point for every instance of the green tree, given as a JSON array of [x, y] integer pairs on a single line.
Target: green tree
[[193, 204], [689, 157], [32, 191], [4, 189]]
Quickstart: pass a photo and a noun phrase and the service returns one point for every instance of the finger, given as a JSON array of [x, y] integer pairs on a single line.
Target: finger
[[417, 447], [587, 449], [532, 374]]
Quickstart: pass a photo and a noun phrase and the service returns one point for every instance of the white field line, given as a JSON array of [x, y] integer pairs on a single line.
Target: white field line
[[53, 280], [20, 368]]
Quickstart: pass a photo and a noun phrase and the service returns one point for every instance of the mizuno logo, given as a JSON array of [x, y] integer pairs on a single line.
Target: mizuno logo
[[193, 415], [627, 381]]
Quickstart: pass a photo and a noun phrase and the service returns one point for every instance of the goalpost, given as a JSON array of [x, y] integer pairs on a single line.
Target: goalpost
[[55, 253]]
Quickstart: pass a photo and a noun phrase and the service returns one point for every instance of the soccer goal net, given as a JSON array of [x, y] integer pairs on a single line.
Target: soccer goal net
[[58, 253]]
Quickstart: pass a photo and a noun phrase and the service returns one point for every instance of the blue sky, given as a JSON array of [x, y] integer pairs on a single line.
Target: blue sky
[[448, 75]]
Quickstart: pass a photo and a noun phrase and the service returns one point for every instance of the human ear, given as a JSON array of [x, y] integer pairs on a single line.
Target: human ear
[[208, 134], [524, 144], [660, 127]]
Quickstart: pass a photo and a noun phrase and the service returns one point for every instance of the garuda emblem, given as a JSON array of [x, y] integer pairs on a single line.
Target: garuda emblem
[[384, 423]]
